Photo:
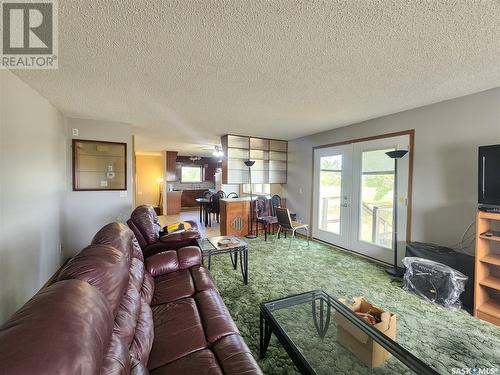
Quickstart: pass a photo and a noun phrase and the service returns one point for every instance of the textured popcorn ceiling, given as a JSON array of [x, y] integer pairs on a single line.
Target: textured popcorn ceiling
[[186, 72]]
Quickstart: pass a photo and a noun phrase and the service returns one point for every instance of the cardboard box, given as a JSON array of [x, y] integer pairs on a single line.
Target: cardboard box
[[360, 344]]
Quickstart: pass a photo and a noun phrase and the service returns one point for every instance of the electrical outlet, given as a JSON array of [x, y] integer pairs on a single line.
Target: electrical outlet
[[75, 132]]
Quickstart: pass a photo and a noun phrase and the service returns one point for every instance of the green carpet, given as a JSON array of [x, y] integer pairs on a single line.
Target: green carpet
[[442, 338]]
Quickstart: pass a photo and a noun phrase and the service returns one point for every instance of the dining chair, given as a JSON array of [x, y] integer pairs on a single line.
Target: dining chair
[[276, 202], [287, 224], [233, 195], [263, 215], [213, 206]]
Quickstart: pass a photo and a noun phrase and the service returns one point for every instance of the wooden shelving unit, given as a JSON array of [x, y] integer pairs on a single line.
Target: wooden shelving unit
[[270, 160], [487, 287]]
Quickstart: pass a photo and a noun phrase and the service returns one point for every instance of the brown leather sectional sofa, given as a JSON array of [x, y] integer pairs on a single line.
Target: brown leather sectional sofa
[[108, 312]]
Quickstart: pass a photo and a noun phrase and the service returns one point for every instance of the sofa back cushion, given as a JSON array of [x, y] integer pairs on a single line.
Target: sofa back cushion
[[64, 329], [144, 334], [103, 267], [120, 237], [147, 224], [117, 358]]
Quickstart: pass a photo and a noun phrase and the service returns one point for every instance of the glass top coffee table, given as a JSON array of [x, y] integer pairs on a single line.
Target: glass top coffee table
[[210, 246], [324, 336]]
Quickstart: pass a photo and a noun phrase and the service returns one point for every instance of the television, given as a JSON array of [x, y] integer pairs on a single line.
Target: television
[[489, 178]]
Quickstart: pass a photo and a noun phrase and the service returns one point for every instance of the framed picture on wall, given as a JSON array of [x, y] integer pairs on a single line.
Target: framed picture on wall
[[99, 165]]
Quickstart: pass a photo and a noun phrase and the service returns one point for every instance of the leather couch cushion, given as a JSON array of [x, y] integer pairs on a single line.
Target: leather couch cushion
[[136, 250], [148, 287], [146, 221], [63, 329], [116, 235], [138, 368], [201, 278], [181, 236], [173, 286], [200, 362], [137, 273], [162, 263], [216, 320], [189, 256], [144, 334], [117, 359], [103, 267], [138, 235], [178, 332], [127, 315], [234, 356]]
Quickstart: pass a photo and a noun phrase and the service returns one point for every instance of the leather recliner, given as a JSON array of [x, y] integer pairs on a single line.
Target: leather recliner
[[108, 312], [146, 227]]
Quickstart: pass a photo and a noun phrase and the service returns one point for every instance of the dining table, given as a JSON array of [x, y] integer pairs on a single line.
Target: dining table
[[203, 202]]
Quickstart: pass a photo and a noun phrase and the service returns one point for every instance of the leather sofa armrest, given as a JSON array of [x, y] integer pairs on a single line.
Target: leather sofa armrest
[[162, 263], [189, 256]]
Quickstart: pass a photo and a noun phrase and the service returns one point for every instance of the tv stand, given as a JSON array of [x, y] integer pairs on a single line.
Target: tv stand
[[487, 284]]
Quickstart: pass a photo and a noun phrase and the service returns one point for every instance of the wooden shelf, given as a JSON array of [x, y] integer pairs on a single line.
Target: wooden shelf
[[490, 238], [491, 282], [491, 259], [487, 286], [488, 215], [491, 308], [266, 152]]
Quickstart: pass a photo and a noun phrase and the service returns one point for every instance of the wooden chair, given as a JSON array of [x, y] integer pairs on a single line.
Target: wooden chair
[[264, 216], [286, 224], [276, 202], [213, 207]]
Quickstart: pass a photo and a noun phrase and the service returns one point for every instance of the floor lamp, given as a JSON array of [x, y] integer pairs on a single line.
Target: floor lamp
[[395, 270], [249, 164], [159, 181]]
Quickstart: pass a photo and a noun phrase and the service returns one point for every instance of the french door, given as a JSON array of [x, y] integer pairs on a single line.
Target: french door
[[354, 195]]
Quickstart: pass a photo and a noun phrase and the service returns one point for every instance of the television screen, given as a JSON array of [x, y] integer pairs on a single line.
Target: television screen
[[489, 176]]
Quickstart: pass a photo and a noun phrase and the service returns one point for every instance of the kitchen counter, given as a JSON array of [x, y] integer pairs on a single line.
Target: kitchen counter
[[174, 202], [242, 199], [189, 197]]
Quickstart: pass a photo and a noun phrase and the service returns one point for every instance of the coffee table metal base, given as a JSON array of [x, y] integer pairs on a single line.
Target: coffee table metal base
[[233, 252]]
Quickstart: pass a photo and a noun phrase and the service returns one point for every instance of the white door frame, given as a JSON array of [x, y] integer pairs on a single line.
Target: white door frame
[[404, 211]]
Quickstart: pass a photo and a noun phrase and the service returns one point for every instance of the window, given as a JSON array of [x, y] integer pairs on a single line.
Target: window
[[257, 189], [191, 174]]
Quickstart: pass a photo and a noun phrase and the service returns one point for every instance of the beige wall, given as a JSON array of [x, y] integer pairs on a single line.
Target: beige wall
[[87, 211], [148, 169], [32, 173], [447, 136]]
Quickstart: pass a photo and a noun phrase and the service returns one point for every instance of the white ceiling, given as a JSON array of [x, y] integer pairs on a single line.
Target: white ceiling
[[185, 72]]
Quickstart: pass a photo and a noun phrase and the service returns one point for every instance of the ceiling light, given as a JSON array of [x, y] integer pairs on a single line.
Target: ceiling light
[[218, 151]]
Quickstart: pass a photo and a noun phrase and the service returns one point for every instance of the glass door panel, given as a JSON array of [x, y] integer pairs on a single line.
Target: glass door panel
[[331, 186], [330, 190], [377, 196], [373, 198]]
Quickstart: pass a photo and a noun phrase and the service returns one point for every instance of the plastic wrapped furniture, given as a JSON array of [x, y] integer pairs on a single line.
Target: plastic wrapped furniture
[[434, 281], [461, 262]]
